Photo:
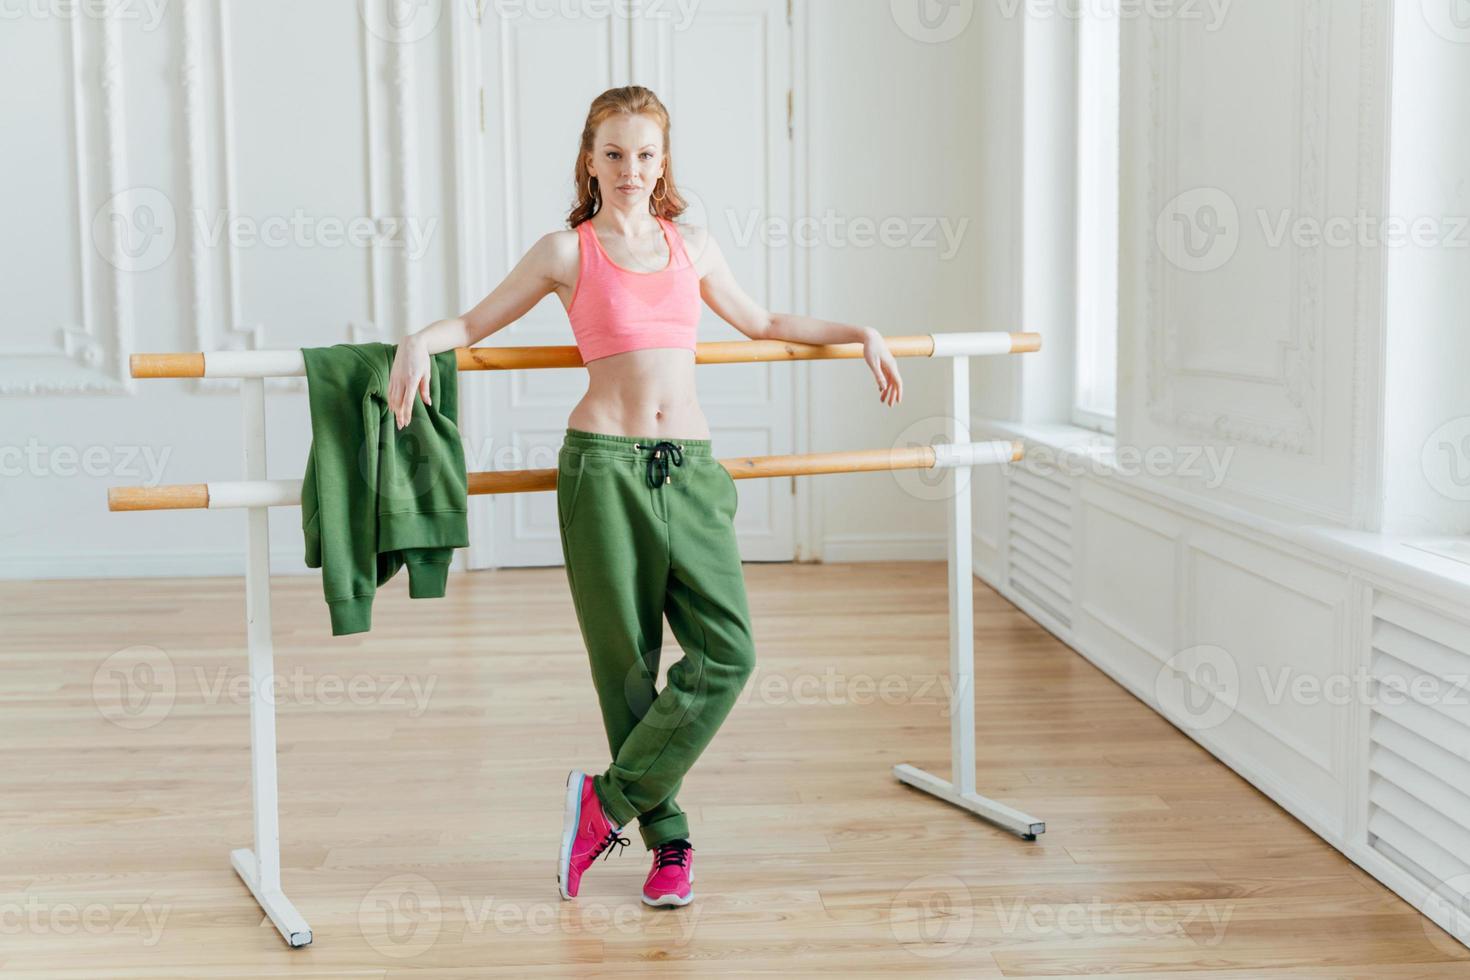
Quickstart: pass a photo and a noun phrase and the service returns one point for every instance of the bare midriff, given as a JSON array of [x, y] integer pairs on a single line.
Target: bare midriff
[[646, 392]]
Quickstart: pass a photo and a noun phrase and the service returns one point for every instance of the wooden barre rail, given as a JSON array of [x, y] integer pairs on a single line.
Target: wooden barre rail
[[284, 493], [289, 363]]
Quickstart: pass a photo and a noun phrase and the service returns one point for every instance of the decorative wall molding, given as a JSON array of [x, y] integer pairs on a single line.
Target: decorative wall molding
[[96, 345], [1369, 347], [218, 323], [1300, 366], [1328, 770], [404, 95]]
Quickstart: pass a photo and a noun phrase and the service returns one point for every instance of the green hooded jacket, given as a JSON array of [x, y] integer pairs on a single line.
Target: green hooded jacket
[[375, 498]]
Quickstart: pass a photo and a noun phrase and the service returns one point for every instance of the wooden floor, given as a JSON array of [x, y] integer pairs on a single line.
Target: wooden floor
[[422, 769]]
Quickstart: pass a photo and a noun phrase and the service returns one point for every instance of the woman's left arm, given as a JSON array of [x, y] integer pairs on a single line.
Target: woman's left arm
[[723, 294]]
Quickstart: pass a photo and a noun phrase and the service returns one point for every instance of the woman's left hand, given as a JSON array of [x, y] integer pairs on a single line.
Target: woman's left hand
[[885, 368]]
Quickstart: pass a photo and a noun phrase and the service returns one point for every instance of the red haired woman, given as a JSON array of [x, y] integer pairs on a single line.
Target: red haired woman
[[646, 512]]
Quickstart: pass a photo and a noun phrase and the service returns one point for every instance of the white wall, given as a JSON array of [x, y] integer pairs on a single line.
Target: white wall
[[1253, 604], [897, 127], [312, 114], [1427, 425], [277, 109]]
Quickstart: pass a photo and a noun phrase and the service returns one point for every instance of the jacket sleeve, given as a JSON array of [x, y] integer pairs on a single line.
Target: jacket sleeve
[[422, 486], [343, 464]]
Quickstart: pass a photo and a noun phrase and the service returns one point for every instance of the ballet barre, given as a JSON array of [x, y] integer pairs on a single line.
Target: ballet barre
[[259, 867], [290, 363]]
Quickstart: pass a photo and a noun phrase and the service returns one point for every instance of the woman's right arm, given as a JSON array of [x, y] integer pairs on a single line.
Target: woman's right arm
[[532, 278]]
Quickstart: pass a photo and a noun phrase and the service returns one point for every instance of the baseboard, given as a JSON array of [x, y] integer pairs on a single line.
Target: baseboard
[[884, 547]]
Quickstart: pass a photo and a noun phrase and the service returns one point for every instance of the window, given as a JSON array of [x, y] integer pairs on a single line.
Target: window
[[1094, 403]]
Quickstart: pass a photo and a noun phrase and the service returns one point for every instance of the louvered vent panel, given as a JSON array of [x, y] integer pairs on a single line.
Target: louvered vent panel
[[1039, 522], [1419, 757]]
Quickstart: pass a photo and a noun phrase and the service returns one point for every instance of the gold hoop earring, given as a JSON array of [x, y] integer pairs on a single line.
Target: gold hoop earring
[[666, 193]]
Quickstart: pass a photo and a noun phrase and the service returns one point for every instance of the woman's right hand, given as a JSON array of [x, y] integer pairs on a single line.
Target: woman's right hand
[[410, 376]]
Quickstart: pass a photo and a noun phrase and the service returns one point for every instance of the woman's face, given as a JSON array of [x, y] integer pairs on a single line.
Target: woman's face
[[627, 160]]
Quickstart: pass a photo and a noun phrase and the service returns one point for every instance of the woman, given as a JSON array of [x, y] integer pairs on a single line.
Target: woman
[[646, 511]]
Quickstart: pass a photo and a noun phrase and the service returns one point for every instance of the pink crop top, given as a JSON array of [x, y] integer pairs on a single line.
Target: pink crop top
[[614, 310]]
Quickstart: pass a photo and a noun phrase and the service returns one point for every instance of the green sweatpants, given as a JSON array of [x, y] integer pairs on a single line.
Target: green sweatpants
[[647, 532]]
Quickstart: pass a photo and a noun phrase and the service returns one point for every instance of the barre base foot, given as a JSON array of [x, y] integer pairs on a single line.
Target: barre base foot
[[1016, 821], [273, 901]]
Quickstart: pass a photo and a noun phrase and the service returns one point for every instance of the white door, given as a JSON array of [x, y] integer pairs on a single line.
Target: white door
[[724, 73]]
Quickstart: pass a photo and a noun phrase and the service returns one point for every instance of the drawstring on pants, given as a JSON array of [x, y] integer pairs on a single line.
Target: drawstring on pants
[[658, 463]]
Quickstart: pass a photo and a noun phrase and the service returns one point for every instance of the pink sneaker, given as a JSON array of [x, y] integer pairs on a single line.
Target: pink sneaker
[[586, 832], [671, 880]]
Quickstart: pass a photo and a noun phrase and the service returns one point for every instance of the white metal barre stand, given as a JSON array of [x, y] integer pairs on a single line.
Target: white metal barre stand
[[959, 789], [260, 868]]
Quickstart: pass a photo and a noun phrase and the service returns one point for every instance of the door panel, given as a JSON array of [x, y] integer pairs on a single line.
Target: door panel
[[724, 72]]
